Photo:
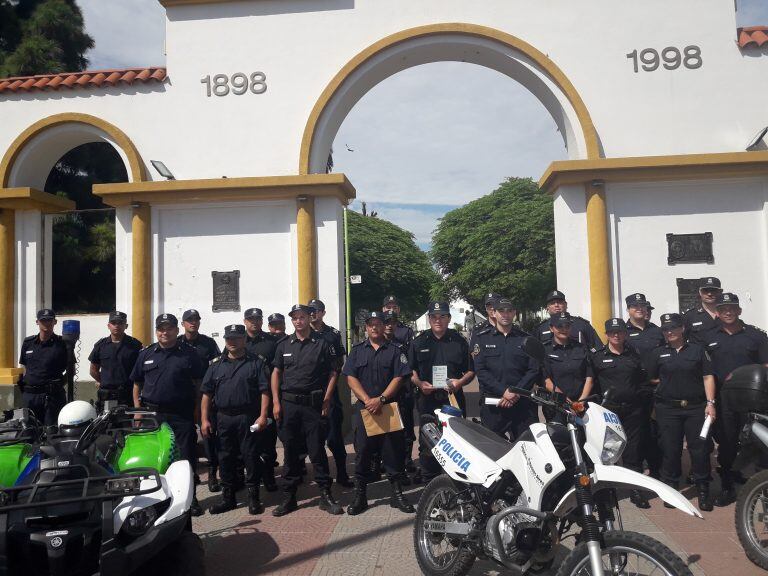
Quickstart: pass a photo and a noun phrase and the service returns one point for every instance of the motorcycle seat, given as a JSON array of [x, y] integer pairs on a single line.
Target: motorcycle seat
[[489, 443]]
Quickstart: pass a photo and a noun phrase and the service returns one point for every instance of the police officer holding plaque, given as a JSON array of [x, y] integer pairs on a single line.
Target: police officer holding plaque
[[375, 370], [439, 360]]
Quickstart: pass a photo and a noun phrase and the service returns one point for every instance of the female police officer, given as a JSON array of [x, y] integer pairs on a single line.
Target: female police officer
[[685, 395]]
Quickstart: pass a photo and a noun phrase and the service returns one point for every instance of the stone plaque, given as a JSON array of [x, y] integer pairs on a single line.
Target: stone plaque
[[226, 291], [688, 293], [682, 248]]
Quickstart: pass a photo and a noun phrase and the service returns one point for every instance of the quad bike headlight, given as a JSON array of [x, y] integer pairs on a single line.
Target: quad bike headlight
[[613, 446], [140, 521]]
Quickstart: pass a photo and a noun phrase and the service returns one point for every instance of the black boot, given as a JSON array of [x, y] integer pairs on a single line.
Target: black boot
[[328, 503], [417, 478], [374, 475], [399, 500], [213, 482], [195, 509], [360, 503], [254, 502], [405, 480], [638, 499], [227, 503], [287, 506], [704, 502], [269, 478], [410, 467], [727, 490]]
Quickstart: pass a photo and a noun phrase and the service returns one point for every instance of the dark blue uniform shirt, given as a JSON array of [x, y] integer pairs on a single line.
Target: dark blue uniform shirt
[[581, 331], [621, 375], [167, 375], [500, 363], [568, 366], [403, 335], [333, 337], [236, 383], [116, 360], [262, 344], [698, 322], [644, 340], [427, 351], [306, 364], [376, 368], [205, 346], [44, 362], [680, 374], [729, 351]]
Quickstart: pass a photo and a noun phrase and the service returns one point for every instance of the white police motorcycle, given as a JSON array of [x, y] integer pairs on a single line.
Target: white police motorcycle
[[513, 503]]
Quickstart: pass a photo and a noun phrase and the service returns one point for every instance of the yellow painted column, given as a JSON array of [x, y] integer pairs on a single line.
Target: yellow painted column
[[307, 248], [141, 296], [599, 259], [8, 371]]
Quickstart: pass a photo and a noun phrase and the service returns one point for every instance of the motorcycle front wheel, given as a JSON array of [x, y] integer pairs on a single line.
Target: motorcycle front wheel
[[626, 553], [439, 554], [751, 516]]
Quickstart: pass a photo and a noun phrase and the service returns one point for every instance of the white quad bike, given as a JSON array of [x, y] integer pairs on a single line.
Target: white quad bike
[[513, 503]]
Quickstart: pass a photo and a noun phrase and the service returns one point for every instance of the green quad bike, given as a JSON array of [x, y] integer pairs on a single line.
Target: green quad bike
[[96, 495]]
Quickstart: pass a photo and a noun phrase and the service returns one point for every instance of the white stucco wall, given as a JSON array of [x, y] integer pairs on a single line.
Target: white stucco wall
[[571, 255]]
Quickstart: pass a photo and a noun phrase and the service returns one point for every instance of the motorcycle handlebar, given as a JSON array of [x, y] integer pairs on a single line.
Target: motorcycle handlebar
[[556, 400]]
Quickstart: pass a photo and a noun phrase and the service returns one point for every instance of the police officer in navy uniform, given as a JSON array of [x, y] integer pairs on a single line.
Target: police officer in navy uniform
[[581, 330], [619, 372], [112, 360], [165, 380], [263, 344], [375, 370], [438, 346], [500, 364], [303, 380], [731, 344], [207, 349], [238, 383], [490, 314], [685, 395], [276, 324], [336, 416], [44, 358], [702, 318], [645, 337], [567, 363]]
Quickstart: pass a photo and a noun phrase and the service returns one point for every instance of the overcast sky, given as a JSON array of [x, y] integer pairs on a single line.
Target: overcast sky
[[424, 141]]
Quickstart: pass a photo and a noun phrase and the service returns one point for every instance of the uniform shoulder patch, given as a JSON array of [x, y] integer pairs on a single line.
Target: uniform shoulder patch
[[403, 359], [476, 350], [30, 338], [336, 331], [217, 359]]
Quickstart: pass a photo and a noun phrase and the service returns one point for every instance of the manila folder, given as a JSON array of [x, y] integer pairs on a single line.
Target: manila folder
[[388, 420]]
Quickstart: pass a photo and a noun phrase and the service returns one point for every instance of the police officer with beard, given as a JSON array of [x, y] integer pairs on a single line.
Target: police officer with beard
[[44, 358], [112, 360], [440, 347], [500, 364], [581, 330], [238, 384], [165, 380]]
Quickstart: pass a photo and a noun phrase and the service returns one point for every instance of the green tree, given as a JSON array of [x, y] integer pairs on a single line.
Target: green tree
[[503, 242], [41, 37], [390, 262]]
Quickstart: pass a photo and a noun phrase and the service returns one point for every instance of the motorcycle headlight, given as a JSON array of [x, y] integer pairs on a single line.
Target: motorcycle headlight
[[613, 446], [140, 521]]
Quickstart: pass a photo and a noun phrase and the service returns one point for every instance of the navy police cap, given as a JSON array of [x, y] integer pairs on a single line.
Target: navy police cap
[[554, 295], [672, 320], [727, 298], [373, 314], [438, 308], [276, 318], [316, 304], [234, 331], [46, 314], [190, 314], [710, 282], [166, 319], [560, 320], [299, 308], [490, 298], [253, 313], [636, 299], [615, 325], [391, 299], [116, 316]]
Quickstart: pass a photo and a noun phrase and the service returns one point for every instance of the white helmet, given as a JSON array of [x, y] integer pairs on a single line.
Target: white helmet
[[76, 413]]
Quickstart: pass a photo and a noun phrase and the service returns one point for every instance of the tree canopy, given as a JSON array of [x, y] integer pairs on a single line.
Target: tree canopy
[[503, 242], [41, 37], [390, 262]]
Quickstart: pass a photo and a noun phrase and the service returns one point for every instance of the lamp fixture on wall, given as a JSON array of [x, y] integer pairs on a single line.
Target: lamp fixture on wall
[[757, 142], [162, 169]]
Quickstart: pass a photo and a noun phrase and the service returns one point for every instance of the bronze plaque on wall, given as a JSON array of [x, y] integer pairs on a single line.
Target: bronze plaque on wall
[[684, 248], [226, 291], [688, 293]]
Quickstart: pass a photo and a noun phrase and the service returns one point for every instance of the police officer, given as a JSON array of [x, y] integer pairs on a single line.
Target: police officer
[[336, 416], [207, 349], [403, 333], [703, 317], [276, 325], [44, 358], [620, 374], [303, 380], [375, 370], [490, 314], [165, 380], [263, 344], [568, 362], [500, 364], [645, 337], [238, 384], [731, 343], [439, 347], [112, 360], [581, 330], [685, 395]]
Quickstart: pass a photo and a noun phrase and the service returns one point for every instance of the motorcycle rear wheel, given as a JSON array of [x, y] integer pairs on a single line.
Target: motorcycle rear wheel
[[440, 555], [751, 505], [634, 553]]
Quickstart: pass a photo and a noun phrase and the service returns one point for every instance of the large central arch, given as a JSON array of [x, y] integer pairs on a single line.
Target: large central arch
[[471, 43]]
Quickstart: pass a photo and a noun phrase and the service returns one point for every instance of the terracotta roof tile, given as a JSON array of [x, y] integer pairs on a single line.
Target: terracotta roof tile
[[752, 36], [88, 78]]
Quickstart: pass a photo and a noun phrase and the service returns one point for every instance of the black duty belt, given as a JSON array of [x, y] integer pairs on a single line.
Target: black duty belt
[[314, 398], [163, 408], [239, 411], [613, 406], [680, 403], [43, 388]]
